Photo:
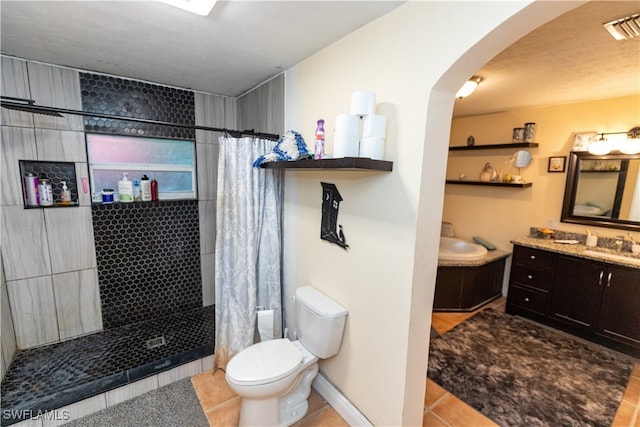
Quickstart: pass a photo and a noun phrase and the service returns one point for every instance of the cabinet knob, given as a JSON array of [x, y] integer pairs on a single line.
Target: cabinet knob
[[526, 299], [529, 276], [532, 256]]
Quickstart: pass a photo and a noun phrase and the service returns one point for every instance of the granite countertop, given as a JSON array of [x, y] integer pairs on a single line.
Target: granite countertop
[[578, 250], [489, 257]]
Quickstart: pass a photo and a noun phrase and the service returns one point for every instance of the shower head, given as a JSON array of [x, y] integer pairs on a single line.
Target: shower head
[[27, 105]]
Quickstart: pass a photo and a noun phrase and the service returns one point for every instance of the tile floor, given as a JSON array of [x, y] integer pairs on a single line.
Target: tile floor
[[441, 408]]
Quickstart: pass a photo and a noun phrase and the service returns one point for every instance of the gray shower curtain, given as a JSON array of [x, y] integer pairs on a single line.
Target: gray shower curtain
[[248, 245]]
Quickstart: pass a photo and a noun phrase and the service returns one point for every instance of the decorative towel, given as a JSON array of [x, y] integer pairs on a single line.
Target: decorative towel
[[290, 146]]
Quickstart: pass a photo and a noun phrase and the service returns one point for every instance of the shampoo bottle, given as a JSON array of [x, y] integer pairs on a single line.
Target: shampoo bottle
[[145, 188], [125, 189], [136, 191]]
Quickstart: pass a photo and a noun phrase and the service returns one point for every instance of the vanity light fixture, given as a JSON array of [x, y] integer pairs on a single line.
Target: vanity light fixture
[[199, 7], [624, 28], [628, 145], [468, 87]]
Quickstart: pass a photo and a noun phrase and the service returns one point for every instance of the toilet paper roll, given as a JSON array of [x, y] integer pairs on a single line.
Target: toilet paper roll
[[348, 125], [372, 147], [265, 324], [374, 126], [363, 103], [345, 146]]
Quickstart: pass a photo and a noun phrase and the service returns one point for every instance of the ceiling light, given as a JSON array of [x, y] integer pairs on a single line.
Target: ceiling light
[[199, 7], [624, 28], [468, 87]]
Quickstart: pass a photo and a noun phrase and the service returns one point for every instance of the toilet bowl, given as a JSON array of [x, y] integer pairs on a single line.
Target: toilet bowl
[[274, 377]]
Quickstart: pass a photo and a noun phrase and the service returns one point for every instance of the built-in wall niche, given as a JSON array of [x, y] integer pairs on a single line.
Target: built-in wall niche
[[35, 172]]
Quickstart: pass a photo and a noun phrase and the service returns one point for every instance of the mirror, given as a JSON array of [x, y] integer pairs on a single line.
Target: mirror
[[603, 191]]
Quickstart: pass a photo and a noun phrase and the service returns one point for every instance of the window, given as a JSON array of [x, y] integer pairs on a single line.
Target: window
[[171, 162]]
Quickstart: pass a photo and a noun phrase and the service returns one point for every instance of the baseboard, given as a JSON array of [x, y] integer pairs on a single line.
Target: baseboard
[[341, 404]]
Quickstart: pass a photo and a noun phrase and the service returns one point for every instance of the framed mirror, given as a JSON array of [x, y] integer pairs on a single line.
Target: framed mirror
[[603, 191]]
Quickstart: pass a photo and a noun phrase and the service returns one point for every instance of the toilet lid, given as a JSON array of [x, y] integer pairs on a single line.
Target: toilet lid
[[264, 362]]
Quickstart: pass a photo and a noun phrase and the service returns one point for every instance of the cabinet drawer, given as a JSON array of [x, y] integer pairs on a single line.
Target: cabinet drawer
[[542, 260], [527, 299], [533, 277]]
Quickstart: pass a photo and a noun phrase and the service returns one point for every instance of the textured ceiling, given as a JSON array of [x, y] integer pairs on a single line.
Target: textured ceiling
[[243, 43], [570, 59]]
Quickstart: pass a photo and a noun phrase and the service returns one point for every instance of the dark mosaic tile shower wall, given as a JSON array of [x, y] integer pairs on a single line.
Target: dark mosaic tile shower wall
[[148, 257], [130, 98]]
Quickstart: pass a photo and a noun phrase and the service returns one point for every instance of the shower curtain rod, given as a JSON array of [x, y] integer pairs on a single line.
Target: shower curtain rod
[[29, 106]]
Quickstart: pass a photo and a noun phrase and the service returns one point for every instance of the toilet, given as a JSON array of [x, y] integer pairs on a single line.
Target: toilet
[[274, 377]]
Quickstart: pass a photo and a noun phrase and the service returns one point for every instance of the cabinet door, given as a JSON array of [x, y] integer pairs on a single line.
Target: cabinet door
[[577, 292], [620, 313]]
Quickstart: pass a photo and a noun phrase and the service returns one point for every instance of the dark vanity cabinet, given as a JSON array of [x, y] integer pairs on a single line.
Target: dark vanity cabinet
[[595, 300]]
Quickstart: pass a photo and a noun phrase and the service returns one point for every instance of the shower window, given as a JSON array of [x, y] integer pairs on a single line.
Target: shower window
[[171, 162]]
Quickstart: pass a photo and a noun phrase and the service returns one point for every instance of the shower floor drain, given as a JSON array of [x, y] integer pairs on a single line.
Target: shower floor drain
[[156, 342]]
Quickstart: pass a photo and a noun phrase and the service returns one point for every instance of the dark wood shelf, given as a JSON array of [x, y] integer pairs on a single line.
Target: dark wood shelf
[[345, 163], [493, 146], [491, 184]]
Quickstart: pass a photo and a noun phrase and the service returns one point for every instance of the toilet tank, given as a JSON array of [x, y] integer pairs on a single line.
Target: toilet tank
[[319, 322]]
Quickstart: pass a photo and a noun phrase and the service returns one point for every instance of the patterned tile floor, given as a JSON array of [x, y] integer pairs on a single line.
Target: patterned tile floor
[[441, 408]]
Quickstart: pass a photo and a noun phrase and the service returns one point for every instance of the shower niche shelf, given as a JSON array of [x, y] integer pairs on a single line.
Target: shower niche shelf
[[491, 184], [345, 163], [493, 146]]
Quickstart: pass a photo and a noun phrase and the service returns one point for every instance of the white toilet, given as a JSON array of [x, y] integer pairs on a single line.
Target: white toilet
[[274, 377]]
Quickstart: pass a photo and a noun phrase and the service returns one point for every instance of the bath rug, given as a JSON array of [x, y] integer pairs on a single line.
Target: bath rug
[[173, 405], [520, 374]]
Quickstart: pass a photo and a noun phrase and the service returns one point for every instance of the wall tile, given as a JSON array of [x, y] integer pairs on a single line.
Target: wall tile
[[132, 390], [77, 298], [208, 279], [53, 86], [207, 363], [207, 212], [15, 83], [17, 144], [60, 145], [25, 252], [207, 155], [35, 422], [176, 374], [33, 309], [7, 335], [262, 109], [80, 409], [71, 241], [210, 111], [230, 115]]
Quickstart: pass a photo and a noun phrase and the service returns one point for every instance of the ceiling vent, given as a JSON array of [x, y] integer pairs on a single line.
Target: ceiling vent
[[624, 28]]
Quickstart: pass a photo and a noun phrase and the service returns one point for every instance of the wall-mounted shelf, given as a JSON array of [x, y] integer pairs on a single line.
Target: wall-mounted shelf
[[493, 146], [491, 184], [345, 163]]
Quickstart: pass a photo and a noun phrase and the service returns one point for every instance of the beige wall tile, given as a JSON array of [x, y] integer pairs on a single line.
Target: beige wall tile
[[77, 302], [33, 309], [71, 241], [25, 250]]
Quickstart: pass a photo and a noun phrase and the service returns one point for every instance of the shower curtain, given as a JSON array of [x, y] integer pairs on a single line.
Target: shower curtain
[[248, 240]]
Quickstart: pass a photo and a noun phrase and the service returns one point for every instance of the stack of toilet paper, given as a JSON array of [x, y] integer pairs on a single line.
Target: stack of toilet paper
[[361, 133]]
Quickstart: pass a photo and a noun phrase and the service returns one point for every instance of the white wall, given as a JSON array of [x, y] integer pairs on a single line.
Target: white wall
[[391, 220]]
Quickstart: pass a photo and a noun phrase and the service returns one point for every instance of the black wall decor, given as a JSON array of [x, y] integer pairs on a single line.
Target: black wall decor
[[330, 230]]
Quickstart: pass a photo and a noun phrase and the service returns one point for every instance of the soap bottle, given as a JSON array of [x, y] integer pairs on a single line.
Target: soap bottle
[[319, 148], [65, 195], [125, 189], [145, 188], [136, 191]]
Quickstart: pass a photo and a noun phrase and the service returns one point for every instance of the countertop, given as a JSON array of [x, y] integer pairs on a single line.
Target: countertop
[[489, 257], [578, 250]]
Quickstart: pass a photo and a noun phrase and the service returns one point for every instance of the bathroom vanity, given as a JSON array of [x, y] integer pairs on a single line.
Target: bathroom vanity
[[596, 297], [466, 285]]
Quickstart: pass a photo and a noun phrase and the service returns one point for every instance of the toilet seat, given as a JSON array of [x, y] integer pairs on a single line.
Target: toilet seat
[[264, 362]]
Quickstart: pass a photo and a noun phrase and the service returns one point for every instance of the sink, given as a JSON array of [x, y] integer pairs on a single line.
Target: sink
[[612, 256]]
